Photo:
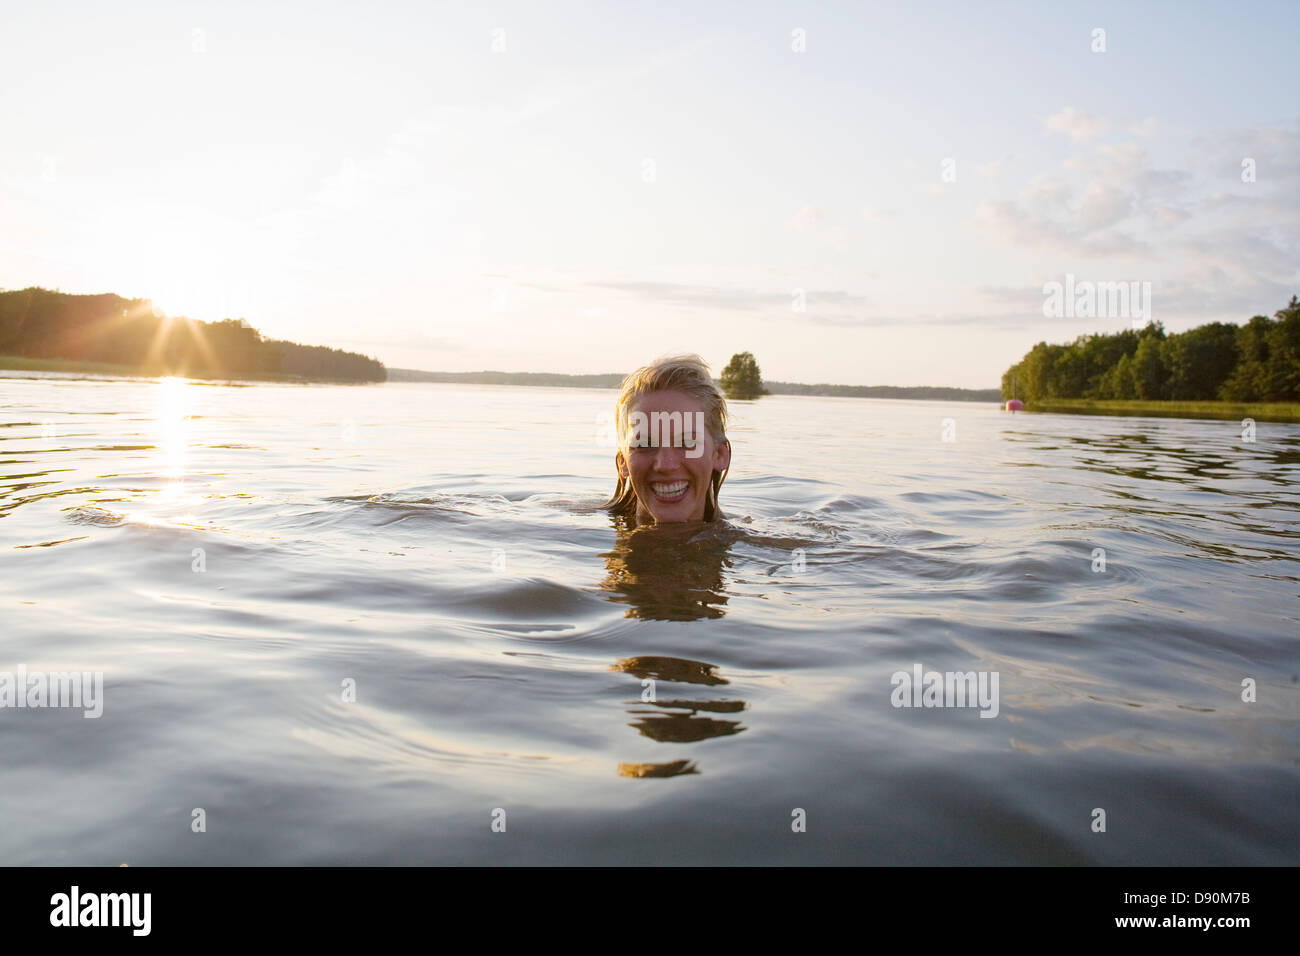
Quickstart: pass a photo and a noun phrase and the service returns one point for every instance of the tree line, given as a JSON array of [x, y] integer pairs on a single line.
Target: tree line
[[910, 392], [614, 379], [1255, 362], [45, 324]]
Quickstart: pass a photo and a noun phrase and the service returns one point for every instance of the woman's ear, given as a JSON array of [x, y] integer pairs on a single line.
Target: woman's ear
[[620, 464], [722, 456]]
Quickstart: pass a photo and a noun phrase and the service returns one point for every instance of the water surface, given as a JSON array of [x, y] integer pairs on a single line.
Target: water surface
[[239, 561]]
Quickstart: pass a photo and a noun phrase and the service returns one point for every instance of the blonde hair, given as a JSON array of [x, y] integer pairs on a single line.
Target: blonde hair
[[688, 374]]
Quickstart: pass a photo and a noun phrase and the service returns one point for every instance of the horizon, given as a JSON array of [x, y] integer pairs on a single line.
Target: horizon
[[438, 189], [766, 380], [168, 319]]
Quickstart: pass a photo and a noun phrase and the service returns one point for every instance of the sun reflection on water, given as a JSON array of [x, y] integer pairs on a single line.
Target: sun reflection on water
[[173, 405]]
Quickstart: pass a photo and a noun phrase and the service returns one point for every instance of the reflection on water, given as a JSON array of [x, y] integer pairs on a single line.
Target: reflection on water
[[667, 572], [684, 728], [172, 408], [508, 647], [671, 769], [678, 720], [670, 669]]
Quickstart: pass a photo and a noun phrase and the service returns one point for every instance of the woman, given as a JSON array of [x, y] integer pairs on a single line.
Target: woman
[[672, 437]]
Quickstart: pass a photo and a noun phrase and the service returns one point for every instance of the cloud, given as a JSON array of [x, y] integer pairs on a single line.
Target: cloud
[[1106, 203], [1170, 215], [1101, 206], [1075, 124], [1147, 128], [1019, 227], [434, 343], [1200, 296], [824, 307], [1240, 254], [1227, 249], [1046, 196], [985, 319], [806, 218], [717, 297], [1275, 150], [1210, 292]]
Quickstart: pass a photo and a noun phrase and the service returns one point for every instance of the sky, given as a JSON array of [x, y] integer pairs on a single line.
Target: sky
[[863, 194]]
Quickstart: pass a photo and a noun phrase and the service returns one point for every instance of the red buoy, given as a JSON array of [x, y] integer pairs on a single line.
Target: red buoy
[[1015, 405]]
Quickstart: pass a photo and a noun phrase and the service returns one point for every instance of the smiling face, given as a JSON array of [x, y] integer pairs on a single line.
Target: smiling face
[[671, 480]]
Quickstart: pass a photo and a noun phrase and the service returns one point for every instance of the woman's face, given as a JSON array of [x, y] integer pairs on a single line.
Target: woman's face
[[670, 484]]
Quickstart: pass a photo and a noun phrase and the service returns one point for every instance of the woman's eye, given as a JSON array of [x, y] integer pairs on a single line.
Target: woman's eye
[[681, 443]]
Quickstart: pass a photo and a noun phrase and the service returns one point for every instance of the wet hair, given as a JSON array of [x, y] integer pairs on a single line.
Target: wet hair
[[688, 374]]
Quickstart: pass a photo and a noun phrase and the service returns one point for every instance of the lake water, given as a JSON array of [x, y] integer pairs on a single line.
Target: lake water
[[353, 625]]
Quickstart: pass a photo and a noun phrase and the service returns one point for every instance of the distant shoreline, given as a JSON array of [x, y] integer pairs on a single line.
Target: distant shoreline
[[1224, 411], [532, 379], [1208, 410], [20, 363], [614, 380]]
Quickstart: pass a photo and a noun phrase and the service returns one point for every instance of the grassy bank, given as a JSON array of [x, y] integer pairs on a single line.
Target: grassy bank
[[21, 363], [1228, 411]]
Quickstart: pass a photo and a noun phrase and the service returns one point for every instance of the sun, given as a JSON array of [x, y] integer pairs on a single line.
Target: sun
[[199, 269]]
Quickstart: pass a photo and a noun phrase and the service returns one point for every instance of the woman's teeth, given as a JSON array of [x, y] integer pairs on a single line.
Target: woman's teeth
[[670, 492]]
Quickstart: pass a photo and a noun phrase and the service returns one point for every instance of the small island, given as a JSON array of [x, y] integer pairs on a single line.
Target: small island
[[741, 379]]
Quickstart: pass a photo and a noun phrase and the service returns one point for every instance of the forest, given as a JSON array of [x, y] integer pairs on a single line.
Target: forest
[[1255, 362], [40, 323]]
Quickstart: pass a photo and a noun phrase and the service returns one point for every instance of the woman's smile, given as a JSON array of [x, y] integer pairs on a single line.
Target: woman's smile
[[670, 491]]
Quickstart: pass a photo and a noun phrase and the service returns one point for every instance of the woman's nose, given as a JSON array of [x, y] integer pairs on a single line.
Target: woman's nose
[[667, 458]]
